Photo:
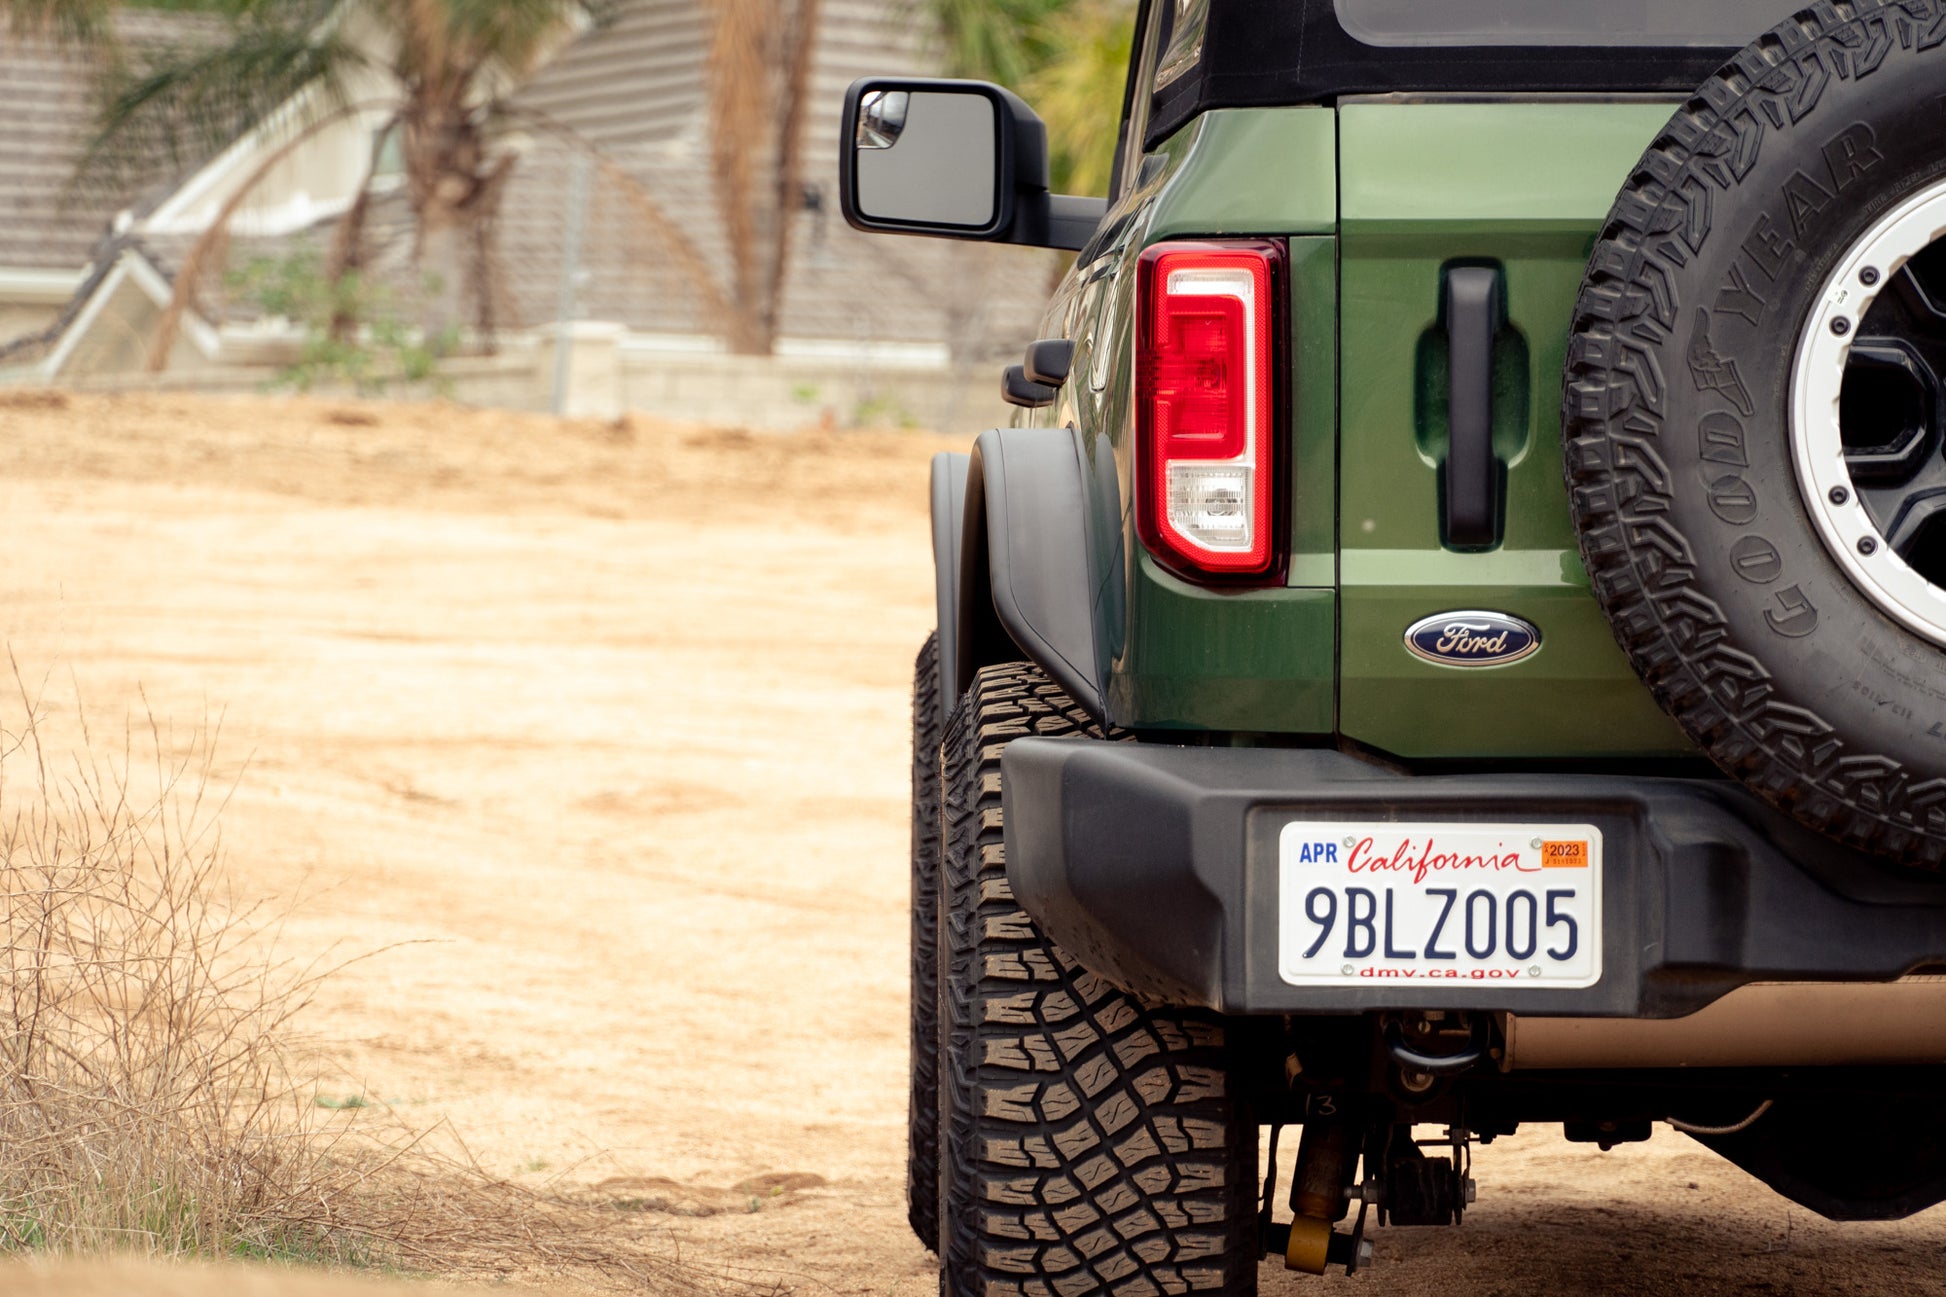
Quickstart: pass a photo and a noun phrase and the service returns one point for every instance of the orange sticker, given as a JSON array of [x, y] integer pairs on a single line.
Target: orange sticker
[[1564, 855]]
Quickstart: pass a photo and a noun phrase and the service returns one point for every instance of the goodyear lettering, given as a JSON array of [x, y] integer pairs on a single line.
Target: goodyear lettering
[[1794, 616], [1712, 371], [1766, 246], [1737, 297], [1804, 198], [1720, 437], [1733, 500], [1850, 154], [1756, 560]]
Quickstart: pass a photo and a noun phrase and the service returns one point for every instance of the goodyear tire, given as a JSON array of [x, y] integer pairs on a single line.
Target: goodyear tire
[[1753, 418], [922, 1108], [1090, 1144]]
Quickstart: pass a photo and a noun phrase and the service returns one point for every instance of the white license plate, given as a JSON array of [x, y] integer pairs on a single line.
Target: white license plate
[[1449, 905]]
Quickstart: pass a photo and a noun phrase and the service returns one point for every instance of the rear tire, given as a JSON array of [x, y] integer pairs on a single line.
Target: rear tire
[[1719, 301], [1091, 1145], [922, 1110]]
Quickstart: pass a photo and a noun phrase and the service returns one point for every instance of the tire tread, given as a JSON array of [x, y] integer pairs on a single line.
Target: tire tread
[[1642, 568], [1092, 1143], [922, 1108]]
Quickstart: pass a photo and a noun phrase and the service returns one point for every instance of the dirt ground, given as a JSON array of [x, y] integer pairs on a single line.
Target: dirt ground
[[603, 729]]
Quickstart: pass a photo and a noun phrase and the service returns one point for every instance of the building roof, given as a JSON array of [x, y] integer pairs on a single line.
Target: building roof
[[636, 90], [47, 222]]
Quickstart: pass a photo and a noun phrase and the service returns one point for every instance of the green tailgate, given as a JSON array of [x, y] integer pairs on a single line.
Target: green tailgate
[[1523, 187]]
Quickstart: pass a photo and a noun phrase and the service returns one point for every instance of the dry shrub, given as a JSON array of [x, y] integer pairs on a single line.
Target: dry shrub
[[150, 1097], [144, 1098]]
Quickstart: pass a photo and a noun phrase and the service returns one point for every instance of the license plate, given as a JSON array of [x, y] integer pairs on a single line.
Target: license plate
[[1451, 905]]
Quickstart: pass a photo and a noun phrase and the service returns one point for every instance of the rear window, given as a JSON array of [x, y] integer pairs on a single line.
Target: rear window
[[1667, 24]]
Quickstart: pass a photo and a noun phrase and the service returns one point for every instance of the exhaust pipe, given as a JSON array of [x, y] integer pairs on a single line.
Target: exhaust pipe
[[1764, 1024]]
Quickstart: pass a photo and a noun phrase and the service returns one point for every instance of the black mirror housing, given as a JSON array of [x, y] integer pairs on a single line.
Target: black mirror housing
[[1022, 209]]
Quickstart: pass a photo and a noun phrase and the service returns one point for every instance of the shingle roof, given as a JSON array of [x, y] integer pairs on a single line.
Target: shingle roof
[[47, 103], [635, 89], [634, 80]]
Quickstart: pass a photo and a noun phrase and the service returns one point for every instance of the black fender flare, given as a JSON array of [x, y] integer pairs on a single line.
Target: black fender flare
[[1014, 575], [948, 529]]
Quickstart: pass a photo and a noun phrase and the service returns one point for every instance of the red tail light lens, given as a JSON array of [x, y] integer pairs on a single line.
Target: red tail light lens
[[1204, 413]]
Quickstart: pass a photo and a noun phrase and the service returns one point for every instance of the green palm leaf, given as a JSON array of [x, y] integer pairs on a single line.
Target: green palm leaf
[[184, 103]]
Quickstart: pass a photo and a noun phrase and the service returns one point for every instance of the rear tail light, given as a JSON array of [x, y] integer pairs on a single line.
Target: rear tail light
[[1205, 419]]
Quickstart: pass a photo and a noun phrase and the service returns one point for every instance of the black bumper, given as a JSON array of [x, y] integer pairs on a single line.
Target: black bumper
[[1156, 867]]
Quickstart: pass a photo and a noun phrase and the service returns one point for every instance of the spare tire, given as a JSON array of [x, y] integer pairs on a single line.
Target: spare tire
[[1755, 421]]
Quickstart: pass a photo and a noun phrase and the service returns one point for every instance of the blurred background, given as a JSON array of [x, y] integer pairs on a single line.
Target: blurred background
[[577, 206], [555, 707], [459, 446]]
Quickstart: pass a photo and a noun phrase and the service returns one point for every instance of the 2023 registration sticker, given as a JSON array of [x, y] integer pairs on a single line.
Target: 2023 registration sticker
[[1450, 905]]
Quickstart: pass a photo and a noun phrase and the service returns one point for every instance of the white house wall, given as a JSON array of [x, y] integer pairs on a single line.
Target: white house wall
[[316, 180]]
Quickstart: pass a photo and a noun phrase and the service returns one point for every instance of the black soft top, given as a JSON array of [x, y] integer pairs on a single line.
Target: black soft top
[[1273, 52]]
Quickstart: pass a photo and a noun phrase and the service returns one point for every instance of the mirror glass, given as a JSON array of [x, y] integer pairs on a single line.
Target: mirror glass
[[929, 157]]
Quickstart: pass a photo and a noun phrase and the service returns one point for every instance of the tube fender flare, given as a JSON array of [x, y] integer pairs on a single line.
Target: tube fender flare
[[1013, 575], [948, 529]]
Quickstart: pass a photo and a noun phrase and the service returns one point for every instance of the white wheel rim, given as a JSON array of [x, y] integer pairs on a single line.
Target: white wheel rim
[[1817, 445]]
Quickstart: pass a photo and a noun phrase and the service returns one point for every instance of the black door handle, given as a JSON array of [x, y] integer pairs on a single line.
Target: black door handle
[[1474, 314]]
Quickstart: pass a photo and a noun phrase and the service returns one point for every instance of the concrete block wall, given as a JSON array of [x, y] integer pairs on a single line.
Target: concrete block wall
[[596, 370]]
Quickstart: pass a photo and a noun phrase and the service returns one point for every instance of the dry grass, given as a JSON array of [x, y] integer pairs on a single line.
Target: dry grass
[[152, 1100], [145, 1101]]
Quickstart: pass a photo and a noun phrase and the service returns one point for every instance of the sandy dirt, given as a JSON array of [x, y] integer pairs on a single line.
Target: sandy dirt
[[602, 728]]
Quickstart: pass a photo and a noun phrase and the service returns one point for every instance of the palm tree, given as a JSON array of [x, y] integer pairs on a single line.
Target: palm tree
[[434, 69], [759, 73], [434, 72], [1068, 57], [1078, 91], [446, 63], [997, 40]]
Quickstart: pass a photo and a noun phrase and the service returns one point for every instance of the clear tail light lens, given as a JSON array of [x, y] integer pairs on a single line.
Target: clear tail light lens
[[1204, 413]]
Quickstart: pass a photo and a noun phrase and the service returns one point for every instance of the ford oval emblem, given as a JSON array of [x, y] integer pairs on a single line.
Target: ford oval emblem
[[1472, 638]]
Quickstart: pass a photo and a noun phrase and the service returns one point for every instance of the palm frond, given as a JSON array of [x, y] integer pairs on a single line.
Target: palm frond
[[183, 104], [1078, 93], [996, 40]]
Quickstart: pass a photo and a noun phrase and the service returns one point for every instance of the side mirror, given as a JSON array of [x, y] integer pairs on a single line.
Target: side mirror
[[953, 159]]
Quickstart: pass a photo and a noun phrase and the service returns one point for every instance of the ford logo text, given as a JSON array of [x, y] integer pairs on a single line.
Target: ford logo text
[[1472, 638]]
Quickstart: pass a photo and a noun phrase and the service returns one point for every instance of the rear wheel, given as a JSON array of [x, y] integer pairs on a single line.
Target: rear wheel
[[922, 1110], [1755, 412], [1090, 1144]]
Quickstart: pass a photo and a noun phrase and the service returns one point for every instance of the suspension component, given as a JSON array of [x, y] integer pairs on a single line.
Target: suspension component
[[1311, 1246], [1421, 1190], [1326, 1158]]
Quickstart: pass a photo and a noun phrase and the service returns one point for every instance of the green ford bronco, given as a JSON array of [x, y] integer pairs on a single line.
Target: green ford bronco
[[1456, 637]]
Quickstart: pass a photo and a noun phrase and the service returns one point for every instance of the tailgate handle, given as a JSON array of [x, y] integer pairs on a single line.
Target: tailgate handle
[[1475, 313]]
